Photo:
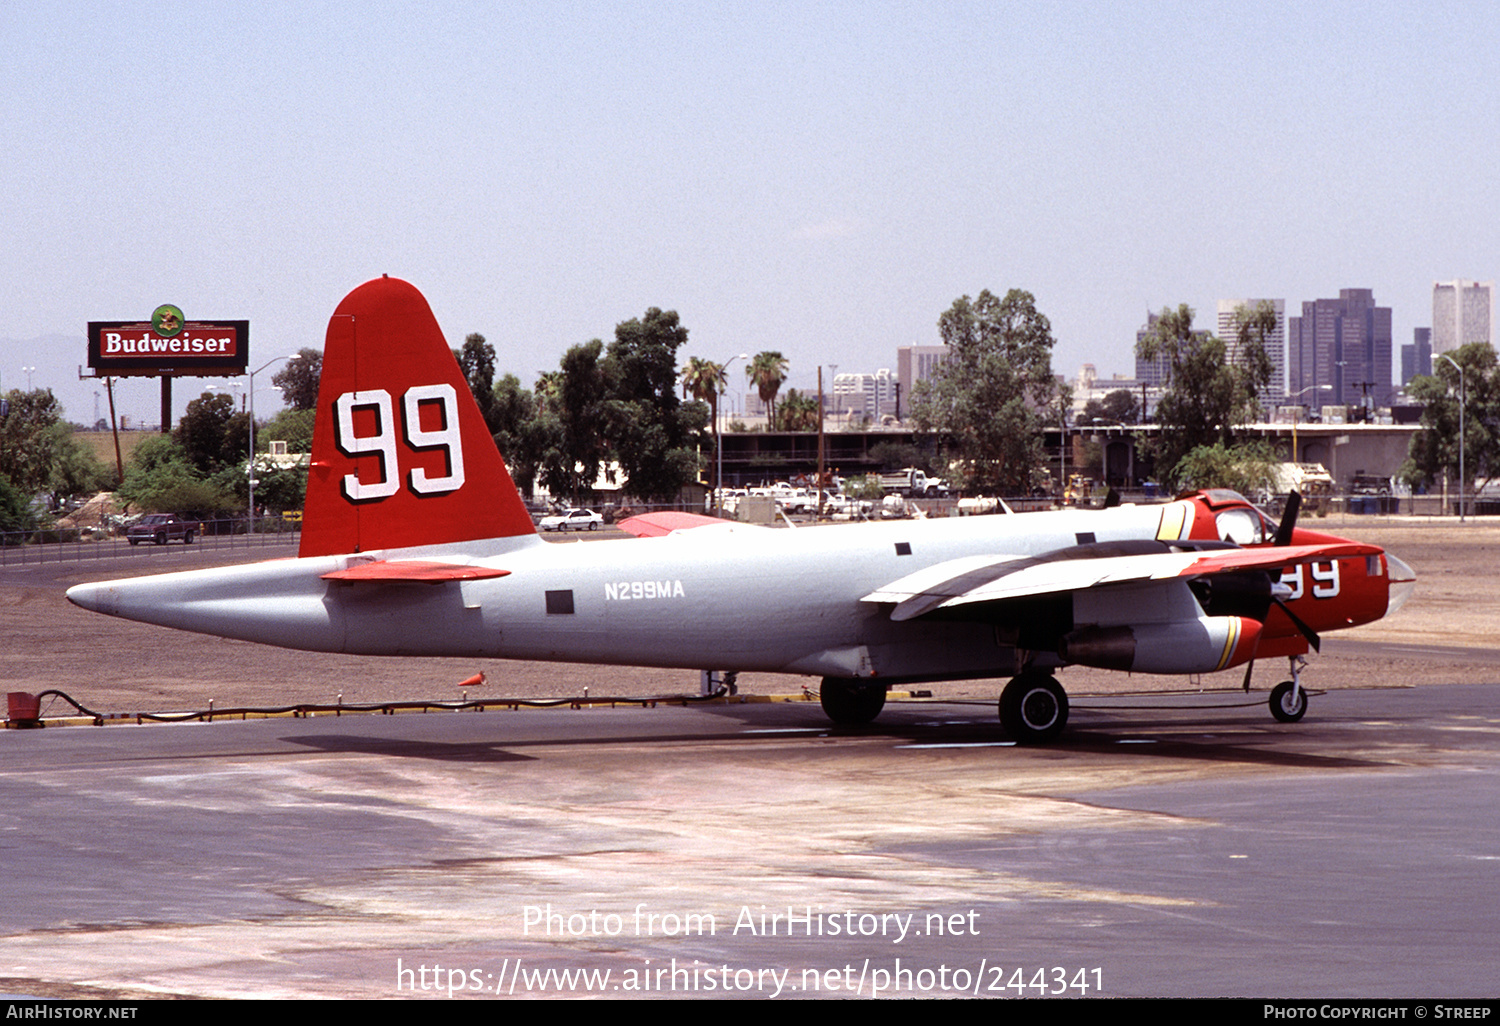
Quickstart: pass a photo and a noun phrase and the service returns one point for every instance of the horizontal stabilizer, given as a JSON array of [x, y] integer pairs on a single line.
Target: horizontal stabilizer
[[424, 571]]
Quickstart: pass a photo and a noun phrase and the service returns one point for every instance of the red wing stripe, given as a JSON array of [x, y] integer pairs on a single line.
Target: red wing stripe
[[1271, 557], [414, 570]]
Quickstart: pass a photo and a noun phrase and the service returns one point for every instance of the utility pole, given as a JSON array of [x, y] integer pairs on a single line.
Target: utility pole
[[1463, 422]]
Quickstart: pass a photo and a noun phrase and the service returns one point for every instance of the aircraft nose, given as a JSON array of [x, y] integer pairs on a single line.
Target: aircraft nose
[[1402, 582]]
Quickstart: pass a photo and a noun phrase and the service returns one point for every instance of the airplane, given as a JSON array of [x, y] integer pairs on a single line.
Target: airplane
[[415, 541]]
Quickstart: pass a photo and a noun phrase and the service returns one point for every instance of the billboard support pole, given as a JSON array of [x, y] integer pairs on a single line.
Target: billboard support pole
[[114, 428]]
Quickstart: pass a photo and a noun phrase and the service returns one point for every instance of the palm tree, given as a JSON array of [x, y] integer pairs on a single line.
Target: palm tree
[[767, 372], [548, 389], [798, 412], [704, 380]]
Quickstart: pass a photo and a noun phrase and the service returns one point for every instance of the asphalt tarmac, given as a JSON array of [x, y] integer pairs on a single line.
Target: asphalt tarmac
[[1170, 845], [750, 850]]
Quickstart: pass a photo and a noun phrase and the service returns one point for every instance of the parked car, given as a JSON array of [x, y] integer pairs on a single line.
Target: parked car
[[572, 520], [161, 528]]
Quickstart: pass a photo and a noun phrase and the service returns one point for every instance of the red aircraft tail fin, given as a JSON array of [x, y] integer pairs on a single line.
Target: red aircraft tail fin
[[401, 455]]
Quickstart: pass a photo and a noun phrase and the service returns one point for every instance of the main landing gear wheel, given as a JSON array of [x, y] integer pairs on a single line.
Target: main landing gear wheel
[[1033, 708], [850, 703], [1286, 708]]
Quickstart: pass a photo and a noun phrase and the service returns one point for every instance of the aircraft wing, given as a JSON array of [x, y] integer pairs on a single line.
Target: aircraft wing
[[419, 570], [979, 579]]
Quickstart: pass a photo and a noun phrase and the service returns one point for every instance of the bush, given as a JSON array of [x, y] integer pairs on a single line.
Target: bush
[[17, 518]]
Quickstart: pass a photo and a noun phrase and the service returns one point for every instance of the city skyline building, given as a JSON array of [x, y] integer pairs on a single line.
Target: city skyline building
[[863, 394], [1276, 388], [1463, 311], [1155, 372], [914, 364], [1416, 356], [1339, 352]]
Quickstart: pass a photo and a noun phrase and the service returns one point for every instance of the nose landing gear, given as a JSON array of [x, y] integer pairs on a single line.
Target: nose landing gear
[[1288, 699]]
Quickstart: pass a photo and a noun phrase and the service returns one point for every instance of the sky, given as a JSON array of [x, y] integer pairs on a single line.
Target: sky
[[822, 179]]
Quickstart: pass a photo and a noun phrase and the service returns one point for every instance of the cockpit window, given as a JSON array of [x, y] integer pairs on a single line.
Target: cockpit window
[[1241, 526]]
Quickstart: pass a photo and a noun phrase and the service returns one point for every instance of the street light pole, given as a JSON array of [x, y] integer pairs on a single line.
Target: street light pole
[[1062, 447], [719, 441], [1463, 422], [1297, 417], [251, 468]]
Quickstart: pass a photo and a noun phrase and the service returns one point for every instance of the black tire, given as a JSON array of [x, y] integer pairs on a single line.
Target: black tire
[[187, 539], [1282, 706], [1033, 708], [134, 542], [593, 526], [161, 539], [851, 703]]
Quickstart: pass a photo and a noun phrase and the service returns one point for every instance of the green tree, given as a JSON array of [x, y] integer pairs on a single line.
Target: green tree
[[160, 478], [650, 429], [797, 412], [866, 487], [1253, 328], [298, 380], [899, 455], [574, 427], [1207, 394], [1433, 453], [276, 490], [75, 469], [477, 361], [705, 381], [517, 432], [767, 372], [17, 518], [212, 435], [28, 443], [995, 393], [38, 450], [1247, 468], [292, 426], [1117, 407]]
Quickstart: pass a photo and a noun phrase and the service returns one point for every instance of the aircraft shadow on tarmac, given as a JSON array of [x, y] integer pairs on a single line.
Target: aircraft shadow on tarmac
[[1226, 740], [404, 748]]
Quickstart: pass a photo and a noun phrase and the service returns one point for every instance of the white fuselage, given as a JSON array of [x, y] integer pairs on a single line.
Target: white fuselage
[[730, 598]]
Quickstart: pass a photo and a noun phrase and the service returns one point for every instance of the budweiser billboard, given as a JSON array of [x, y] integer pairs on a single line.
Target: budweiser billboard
[[168, 344]]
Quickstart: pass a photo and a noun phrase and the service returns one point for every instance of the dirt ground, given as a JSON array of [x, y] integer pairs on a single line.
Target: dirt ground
[[1446, 634]]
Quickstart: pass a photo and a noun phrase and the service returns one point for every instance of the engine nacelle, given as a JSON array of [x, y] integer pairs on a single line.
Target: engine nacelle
[[1187, 646]]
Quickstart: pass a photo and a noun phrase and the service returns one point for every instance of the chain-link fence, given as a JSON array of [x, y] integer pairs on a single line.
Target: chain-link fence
[[59, 545]]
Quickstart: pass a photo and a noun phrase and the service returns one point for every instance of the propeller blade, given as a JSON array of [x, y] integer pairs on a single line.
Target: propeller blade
[[1289, 519], [1307, 632]]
